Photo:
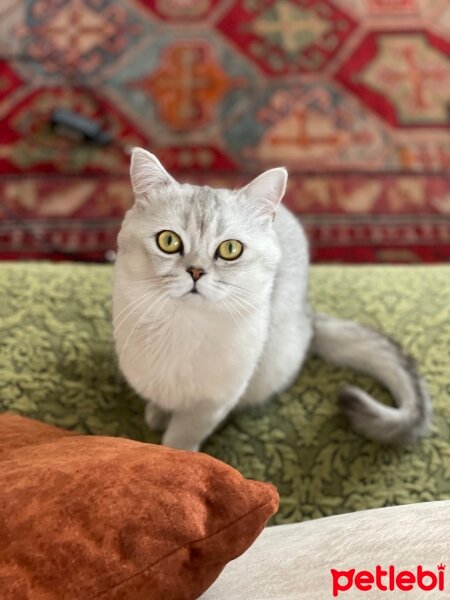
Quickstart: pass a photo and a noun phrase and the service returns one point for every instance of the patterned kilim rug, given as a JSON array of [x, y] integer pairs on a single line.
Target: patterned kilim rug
[[351, 95]]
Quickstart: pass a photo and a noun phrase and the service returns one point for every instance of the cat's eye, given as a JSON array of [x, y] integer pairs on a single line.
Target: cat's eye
[[230, 250], [169, 242]]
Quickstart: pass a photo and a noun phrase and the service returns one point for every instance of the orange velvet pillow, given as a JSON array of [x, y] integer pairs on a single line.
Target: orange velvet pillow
[[96, 517]]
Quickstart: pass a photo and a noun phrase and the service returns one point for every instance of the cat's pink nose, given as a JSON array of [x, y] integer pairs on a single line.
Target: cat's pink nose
[[195, 273]]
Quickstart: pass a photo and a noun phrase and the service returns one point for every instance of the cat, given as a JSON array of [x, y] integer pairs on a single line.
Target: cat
[[210, 312]]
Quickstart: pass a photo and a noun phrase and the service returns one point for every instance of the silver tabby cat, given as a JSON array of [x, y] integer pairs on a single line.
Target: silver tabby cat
[[211, 312]]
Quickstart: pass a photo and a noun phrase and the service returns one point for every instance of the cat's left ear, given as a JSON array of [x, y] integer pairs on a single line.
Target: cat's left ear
[[267, 190], [147, 173]]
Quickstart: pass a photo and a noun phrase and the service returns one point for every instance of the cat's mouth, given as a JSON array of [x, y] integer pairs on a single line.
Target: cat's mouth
[[193, 290]]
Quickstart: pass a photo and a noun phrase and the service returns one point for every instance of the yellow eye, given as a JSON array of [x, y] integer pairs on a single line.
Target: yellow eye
[[169, 242], [230, 250]]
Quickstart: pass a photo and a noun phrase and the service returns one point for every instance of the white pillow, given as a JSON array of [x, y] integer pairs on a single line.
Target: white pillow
[[294, 562]]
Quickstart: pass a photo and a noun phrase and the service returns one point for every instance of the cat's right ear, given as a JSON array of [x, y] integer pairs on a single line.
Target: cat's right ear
[[147, 173]]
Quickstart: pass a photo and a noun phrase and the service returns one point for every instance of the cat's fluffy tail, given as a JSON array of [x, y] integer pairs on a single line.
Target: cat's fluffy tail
[[347, 344]]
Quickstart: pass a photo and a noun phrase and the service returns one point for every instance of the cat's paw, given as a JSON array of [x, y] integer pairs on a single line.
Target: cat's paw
[[156, 418]]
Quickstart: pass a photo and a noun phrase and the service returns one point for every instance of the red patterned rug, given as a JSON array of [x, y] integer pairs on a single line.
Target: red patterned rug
[[352, 96]]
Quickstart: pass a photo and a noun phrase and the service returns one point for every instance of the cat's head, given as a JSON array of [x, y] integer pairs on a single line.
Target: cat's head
[[198, 244]]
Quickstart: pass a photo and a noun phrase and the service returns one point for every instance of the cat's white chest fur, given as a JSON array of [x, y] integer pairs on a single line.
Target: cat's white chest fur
[[244, 337], [189, 356]]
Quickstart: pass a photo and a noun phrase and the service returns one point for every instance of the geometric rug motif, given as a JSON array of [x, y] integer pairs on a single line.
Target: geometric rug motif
[[287, 36], [188, 85], [33, 147], [348, 218], [403, 76], [185, 87], [352, 96], [76, 38], [305, 126]]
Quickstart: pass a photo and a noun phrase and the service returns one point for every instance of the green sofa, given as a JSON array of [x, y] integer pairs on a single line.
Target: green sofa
[[57, 364]]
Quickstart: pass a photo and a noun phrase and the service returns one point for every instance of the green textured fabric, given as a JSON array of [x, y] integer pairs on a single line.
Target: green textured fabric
[[57, 364]]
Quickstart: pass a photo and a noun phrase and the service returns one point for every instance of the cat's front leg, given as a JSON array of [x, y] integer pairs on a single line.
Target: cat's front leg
[[156, 419], [188, 428]]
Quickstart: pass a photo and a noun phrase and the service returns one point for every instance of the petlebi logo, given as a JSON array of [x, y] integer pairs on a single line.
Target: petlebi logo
[[388, 580]]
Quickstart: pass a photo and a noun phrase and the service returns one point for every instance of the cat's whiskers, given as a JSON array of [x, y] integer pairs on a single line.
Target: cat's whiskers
[[244, 302], [242, 296], [138, 302], [243, 291], [131, 304], [242, 311], [234, 285], [147, 279], [238, 311], [142, 318], [236, 304], [230, 311], [155, 335]]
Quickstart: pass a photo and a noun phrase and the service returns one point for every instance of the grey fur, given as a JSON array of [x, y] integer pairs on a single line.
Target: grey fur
[[374, 353], [244, 334]]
